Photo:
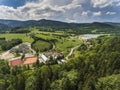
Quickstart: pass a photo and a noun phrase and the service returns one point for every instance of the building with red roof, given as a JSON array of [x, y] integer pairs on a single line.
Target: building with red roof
[[30, 60], [27, 61], [16, 62]]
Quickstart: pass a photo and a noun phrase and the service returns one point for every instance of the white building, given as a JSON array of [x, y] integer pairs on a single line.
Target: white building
[[43, 58]]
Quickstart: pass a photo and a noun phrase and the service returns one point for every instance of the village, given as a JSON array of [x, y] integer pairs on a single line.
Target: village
[[27, 56], [23, 54]]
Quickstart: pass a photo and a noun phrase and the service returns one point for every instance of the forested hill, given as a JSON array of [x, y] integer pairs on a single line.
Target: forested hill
[[4, 27], [50, 25], [43, 22], [97, 67]]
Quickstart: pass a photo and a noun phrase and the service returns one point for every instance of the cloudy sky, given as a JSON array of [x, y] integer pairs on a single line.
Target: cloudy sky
[[62, 10]]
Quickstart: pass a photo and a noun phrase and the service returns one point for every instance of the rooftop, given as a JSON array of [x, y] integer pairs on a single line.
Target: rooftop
[[44, 57], [15, 62], [30, 60]]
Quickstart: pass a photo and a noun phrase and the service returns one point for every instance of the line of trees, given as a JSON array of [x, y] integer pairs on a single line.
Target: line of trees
[[11, 43]]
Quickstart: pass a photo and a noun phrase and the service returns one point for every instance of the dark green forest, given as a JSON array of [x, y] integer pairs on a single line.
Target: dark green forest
[[8, 44], [96, 68]]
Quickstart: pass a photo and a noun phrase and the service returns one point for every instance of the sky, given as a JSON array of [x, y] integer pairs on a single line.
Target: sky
[[79, 11]]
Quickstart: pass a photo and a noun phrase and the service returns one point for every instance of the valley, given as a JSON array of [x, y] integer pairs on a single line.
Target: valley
[[59, 56]]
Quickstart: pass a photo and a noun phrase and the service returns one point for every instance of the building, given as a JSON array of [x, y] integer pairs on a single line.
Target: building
[[27, 61], [43, 58], [30, 60], [16, 62]]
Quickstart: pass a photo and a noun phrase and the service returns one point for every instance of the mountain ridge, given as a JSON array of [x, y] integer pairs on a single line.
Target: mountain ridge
[[17, 23], [51, 25]]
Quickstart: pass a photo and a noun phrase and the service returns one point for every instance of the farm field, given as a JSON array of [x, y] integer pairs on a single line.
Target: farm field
[[62, 42], [24, 37]]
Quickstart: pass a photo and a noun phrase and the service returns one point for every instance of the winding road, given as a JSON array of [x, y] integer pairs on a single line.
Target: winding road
[[71, 52]]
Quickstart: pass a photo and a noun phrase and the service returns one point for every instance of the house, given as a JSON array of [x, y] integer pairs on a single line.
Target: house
[[16, 62], [56, 55]]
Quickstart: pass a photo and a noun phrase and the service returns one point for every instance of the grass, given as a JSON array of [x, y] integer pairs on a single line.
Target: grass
[[67, 44], [63, 44], [46, 36], [41, 46], [24, 37]]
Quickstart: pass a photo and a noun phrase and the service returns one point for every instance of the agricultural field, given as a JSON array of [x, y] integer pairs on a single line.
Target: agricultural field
[[63, 42], [24, 37]]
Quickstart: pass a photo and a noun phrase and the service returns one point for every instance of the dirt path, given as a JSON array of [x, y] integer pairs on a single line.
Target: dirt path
[[6, 55], [53, 46], [71, 52]]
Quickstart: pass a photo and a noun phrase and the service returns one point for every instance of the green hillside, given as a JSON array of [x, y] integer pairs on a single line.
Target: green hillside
[[13, 26], [97, 67]]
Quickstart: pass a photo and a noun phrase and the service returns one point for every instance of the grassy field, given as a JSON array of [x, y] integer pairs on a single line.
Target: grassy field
[[67, 44], [24, 37], [62, 43], [45, 36], [41, 46]]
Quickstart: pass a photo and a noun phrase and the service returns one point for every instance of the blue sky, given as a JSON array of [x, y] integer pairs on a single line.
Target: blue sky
[[62, 10], [13, 3]]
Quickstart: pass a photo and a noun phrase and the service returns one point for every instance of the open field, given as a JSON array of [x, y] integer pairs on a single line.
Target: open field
[[24, 37], [67, 44], [63, 42]]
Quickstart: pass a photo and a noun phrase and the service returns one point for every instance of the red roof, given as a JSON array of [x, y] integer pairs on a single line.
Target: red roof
[[30, 60], [15, 62]]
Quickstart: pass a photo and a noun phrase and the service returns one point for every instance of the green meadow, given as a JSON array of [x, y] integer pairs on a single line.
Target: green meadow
[[24, 37]]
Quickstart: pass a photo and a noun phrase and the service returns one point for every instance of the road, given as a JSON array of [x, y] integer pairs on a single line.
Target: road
[[71, 52], [53, 46]]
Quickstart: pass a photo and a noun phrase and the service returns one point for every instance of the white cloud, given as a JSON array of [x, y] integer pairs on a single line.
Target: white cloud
[[110, 13], [118, 4], [42, 9], [97, 13], [103, 3], [63, 10], [84, 13]]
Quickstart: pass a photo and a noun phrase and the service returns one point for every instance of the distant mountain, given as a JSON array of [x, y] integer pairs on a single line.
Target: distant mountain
[[12, 23], [4, 27], [99, 27], [98, 24], [43, 22], [114, 24]]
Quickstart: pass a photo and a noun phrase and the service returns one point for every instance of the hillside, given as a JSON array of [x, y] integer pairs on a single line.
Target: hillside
[[43, 22], [4, 27], [50, 25], [95, 68]]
